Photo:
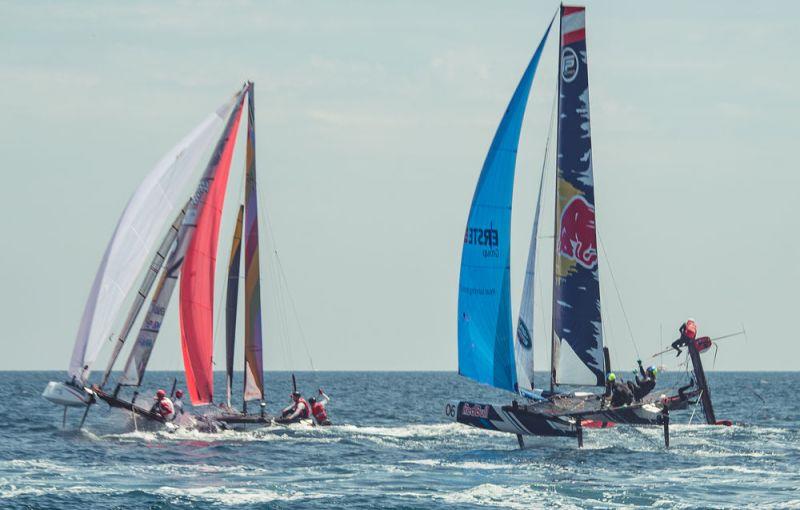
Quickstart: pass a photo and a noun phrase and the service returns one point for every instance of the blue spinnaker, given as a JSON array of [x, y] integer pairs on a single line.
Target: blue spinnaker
[[485, 340]]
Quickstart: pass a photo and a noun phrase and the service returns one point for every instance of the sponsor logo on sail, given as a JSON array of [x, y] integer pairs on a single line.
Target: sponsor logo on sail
[[577, 237], [489, 238], [475, 411], [523, 335], [569, 64]]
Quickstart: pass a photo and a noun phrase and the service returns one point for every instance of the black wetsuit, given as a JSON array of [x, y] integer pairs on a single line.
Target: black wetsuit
[[683, 341], [621, 394], [643, 386]]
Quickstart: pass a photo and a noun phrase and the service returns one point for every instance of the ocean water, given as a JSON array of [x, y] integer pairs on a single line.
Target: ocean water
[[391, 447]]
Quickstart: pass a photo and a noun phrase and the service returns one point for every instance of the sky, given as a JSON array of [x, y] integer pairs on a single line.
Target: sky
[[373, 119]]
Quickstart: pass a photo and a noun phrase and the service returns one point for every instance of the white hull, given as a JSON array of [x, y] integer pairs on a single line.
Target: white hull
[[64, 394]]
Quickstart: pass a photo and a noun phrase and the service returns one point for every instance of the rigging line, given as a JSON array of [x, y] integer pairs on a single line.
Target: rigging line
[[546, 168], [619, 295], [699, 398], [291, 298]]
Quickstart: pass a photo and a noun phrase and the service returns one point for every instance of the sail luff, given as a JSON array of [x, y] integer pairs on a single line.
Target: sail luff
[[485, 340], [139, 357], [144, 289], [253, 356], [232, 302], [157, 199], [577, 327], [197, 276]]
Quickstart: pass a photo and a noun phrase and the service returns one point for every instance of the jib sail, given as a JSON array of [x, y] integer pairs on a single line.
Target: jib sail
[[577, 331], [485, 340]]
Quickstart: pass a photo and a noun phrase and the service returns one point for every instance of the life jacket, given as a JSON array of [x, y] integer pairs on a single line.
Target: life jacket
[[306, 412], [690, 329], [165, 408], [702, 344], [318, 410]]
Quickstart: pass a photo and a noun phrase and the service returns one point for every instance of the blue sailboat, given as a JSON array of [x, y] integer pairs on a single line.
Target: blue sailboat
[[489, 350]]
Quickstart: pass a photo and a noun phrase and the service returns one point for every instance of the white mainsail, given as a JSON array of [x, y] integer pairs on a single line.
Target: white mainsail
[[523, 347], [156, 201]]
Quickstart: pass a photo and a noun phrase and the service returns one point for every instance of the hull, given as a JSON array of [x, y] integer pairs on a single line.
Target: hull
[[512, 419], [67, 394], [119, 403]]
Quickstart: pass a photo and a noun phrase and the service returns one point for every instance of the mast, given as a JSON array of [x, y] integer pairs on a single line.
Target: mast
[[232, 303], [253, 386], [139, 357], [553, 337], [144, 290]]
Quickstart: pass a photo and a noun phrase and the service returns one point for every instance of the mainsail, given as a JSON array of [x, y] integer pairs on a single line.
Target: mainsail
[[253, 359], [485, 340], [140, 354], [232, 303], [197, 278], [577, 332], [157, 199]]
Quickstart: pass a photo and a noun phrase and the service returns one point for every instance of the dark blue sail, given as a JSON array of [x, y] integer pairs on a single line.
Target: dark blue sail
[[485, 340], [577, 332]]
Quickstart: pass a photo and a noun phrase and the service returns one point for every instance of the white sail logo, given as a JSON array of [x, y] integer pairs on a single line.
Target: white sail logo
[[569, 64]]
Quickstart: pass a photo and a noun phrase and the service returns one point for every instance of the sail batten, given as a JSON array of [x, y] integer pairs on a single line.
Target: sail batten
[[485, 341], [576, 289]]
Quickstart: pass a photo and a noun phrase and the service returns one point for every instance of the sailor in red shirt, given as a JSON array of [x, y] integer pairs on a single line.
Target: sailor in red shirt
[[318, 408], [688, 331]]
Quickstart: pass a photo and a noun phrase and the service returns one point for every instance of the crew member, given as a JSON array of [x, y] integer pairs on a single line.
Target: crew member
[[296, 411], [318, 410], [688, 331], [178, 403], [620, 393], [642, 387], [163, 406]]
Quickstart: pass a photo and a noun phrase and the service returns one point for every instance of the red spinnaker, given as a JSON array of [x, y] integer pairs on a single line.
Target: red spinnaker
[[197, 282]]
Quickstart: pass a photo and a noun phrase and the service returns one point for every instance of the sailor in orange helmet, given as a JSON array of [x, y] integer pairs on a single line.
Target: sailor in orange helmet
[[163, 406], [688, 331]]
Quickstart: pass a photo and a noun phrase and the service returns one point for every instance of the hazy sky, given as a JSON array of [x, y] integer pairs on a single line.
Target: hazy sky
[[373, 120]]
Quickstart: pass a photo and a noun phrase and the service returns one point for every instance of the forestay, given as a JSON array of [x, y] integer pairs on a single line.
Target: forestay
[[157, 200], [485, 341]]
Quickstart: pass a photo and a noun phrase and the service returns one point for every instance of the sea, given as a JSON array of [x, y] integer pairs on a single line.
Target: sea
[[391, 446]]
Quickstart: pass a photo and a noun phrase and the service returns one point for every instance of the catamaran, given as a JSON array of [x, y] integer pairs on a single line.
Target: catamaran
[[488, 351], [186, 256]]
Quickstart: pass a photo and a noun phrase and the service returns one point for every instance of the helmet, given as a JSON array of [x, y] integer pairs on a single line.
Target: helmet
[[312, 401], [161, 394], [652, 371], [611, 377], [179, 393], [295, 395]]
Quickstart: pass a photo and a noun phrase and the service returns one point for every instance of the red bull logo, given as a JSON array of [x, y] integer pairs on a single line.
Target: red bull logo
[[578, 239], [476, 410]]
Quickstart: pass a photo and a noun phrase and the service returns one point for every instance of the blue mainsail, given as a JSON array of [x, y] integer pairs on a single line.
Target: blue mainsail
[[485, 340]]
